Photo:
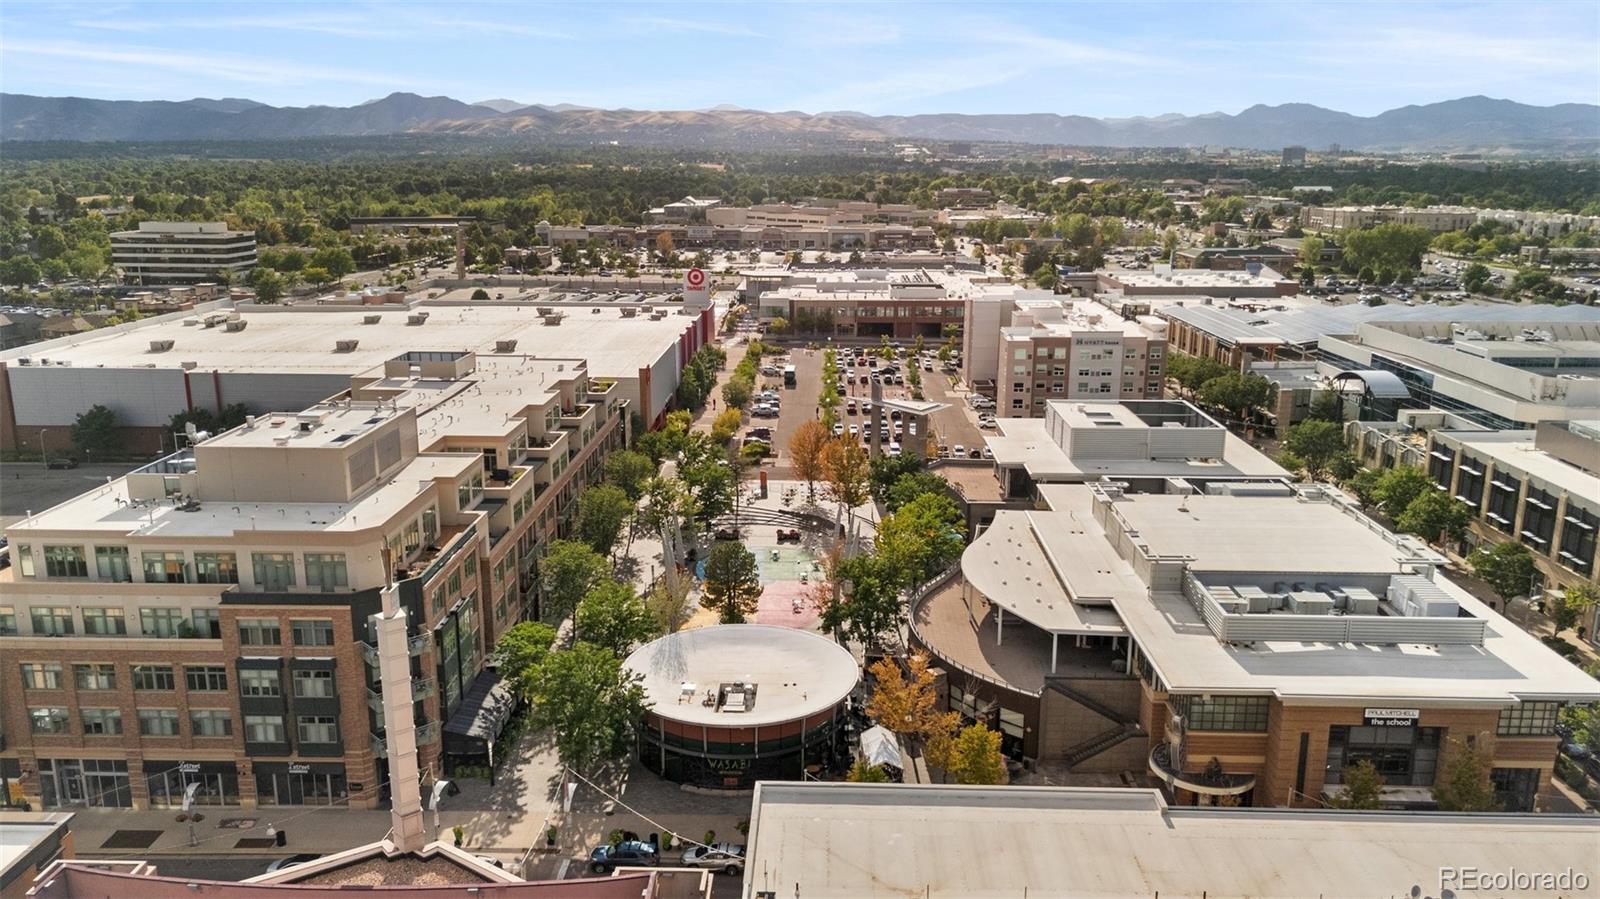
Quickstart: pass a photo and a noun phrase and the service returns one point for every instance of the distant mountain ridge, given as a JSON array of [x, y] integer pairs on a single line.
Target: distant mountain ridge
[[1479, 123]]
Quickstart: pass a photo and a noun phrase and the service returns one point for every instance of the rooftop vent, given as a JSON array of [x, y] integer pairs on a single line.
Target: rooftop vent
[[629, 312], [236, 324], [371, 319], [505, 346], [416, 318], [161, 346], [554, 318], [543, 310], [345, 346], [190, 366]]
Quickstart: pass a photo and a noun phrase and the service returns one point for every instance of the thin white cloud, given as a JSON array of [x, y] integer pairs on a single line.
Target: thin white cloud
[[210, 67], [663, 23]]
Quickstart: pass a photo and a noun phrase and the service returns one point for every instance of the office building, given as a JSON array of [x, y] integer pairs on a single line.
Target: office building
[[205, 619], [1167, 606], [181, 252], [1438, 219], [1162, 281], [283, 358], [1293, 157], [877, 841], [866, 300]]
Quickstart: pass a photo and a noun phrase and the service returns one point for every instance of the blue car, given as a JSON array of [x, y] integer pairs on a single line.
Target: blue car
[[627, 854]]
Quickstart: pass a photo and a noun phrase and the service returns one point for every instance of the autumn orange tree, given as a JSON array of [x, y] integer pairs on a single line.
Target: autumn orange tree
[[908, 705], [806, 451]]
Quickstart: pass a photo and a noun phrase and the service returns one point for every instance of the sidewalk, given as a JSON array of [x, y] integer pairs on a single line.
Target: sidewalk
[[307, 829]]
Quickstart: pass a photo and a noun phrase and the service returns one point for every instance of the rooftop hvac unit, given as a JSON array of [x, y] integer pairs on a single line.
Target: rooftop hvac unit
[[543, 310], [553, 318], [371, 319], [161, 346], [345, 346], [505, 346], [24, 361], [236, 324], [416, 318], [629, 312], [190, 366]]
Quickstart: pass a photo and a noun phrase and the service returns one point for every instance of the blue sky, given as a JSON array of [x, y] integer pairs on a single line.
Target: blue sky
[[1099, 59]]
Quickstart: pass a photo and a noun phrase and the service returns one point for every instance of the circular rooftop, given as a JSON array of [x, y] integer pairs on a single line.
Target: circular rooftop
[[796, 673]]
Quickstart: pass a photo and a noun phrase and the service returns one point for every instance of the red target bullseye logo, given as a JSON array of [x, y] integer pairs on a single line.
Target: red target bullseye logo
[[696, 279]]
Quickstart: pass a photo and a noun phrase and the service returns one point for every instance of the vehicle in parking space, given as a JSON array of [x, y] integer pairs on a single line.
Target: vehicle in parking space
[[944, 451], [62, 462], [850, 406], [628, 853], [894, 448], [864, 379], [987, 422], [727, 858], [838, 430], [988, 453], [974, 453], [958, 451]]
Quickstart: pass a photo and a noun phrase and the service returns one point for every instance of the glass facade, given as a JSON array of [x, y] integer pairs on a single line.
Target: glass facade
[[1404, 756]]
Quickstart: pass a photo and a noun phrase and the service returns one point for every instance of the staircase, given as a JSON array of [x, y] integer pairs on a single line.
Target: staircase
[[1088, 702], [1099, 743]]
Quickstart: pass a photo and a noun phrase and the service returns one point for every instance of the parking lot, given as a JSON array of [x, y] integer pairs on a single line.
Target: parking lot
[[29, 486]]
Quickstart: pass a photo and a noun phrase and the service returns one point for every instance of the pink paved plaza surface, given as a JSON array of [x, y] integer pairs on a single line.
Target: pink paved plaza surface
[[779, 600]]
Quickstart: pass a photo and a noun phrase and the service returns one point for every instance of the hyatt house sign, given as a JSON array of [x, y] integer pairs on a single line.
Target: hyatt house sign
[[1390, 717]]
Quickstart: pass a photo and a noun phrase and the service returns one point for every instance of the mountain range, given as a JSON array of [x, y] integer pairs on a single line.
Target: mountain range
[[1470, 123]]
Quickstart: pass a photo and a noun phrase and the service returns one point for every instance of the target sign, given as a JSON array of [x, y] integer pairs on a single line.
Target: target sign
[[695, 279]]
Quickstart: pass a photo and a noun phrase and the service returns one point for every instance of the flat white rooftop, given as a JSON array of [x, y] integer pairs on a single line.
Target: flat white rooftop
[[796, 673], [1027, 564], [858, 841], [1027, 443], [106, 509], [1517, 451], [302, 339]]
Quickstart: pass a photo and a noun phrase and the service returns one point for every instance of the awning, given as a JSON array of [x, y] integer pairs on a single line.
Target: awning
[[481, 716], [879, 747]]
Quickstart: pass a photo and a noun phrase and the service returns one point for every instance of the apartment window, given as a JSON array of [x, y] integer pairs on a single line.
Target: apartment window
[[105, 622], [111, 563], [52, 620], [158, 722], [95, 677], [263, 728], [412, 538], [313, 684], [326, 570], [274, 571], [205, 678], [260, 682], [207, 623], [1247, 714], [49, 720], [165, 568], [65, 561], [25, 560], [211, 722], [318, 729], [164, 622], [8, 621], [101, 722], [1529, 719], [1539, 517], [1502, 509], [216, 568], [454, 582], [430, 524], [41, 676], [313, 632], [154, 677], [469, 566], [1578, 538], [436, 602], [259, 632]]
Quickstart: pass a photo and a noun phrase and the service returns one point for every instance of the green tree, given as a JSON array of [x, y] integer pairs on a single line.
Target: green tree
[[603, 509], [268, 284], [521, 650], [864, 772], [911, 485], [1237, 393], [975, 757], [1363, 787], [1398, 487], [567, 572], [1435, 516], [886, 470], [19, 271], [920, 539], [1508, 568], [1475, 277], [629, 470], [710, 480], [1463, 784], [732, 582], [1567, 607], [1327, 405], [480, 294], [1311, 253], [1364, 484], [726, 425], [1315, 445], [869, 607], [613, 616], [95, 431], [1390, 246], [1192, 371], [336, 261], [589, 703], [317, 276]]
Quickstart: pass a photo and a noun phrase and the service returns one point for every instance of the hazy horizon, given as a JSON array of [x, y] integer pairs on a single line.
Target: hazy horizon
[[1117, 60]]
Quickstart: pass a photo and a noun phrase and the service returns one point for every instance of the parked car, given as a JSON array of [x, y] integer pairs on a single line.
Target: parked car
[[62, 462], [727, 858], [958, 451], [628, 853]]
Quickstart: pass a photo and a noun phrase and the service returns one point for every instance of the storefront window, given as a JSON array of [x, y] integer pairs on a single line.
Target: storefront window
[[1404, 756], [218, 783], [98, 783], [300, 784]]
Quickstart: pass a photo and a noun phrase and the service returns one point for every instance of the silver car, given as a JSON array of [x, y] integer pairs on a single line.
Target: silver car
[[725, 857]]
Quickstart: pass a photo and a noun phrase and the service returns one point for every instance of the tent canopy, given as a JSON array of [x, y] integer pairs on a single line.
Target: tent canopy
[[879, 747]]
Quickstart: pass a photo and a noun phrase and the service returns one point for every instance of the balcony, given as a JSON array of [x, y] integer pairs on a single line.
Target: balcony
[[434, 556], [421, 688], [428, 733], [416, 645], [1202, 783]]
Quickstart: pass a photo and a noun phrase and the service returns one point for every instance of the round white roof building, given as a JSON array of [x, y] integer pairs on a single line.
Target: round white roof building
[[794, 673]]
